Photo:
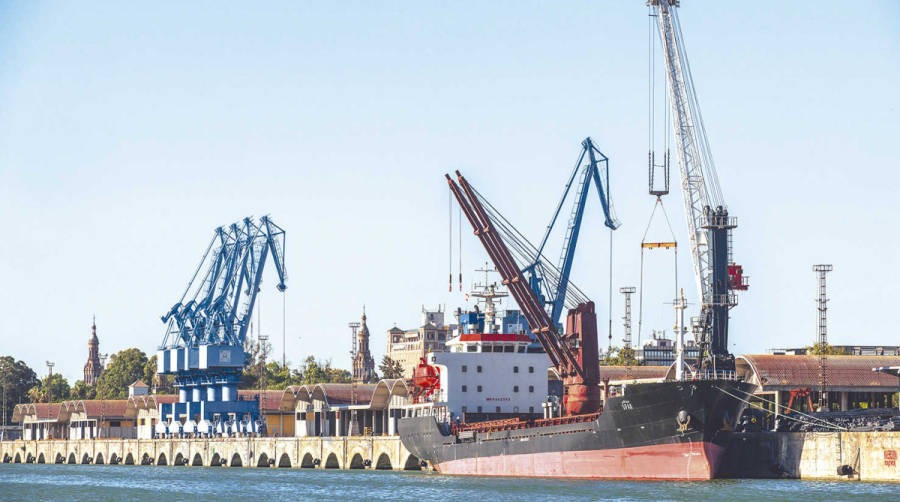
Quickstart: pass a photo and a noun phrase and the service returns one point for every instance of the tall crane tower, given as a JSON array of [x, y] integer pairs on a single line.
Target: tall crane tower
[[822, 331], [709, 224]]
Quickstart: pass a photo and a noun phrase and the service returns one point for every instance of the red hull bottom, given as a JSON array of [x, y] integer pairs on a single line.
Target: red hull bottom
[[691, 461]]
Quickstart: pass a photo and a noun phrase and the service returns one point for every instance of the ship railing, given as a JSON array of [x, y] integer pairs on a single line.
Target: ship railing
[[508, 424], [716, 375]]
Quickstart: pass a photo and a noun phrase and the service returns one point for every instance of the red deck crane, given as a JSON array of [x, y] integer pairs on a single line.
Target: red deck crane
[[567, 352]]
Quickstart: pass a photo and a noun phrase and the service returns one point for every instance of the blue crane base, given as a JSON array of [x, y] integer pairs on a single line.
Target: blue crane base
[[207, 380]]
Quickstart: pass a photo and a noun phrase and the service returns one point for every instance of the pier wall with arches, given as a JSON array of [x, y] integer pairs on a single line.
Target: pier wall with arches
[[353, 452]]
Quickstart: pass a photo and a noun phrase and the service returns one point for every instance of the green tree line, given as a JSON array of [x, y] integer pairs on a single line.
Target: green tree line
[[21, 384]]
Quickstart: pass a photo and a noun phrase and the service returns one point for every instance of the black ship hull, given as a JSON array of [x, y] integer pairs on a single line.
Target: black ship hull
[[665, 430]]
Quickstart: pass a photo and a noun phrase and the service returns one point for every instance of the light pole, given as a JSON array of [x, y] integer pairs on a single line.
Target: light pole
[[50, 366], [102, 367], [263, 340]]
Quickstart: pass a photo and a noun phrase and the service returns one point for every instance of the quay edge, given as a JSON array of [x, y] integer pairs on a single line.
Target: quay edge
[[355, 452]]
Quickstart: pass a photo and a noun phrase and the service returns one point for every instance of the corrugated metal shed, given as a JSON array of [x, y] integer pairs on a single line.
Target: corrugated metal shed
[[852, 373]]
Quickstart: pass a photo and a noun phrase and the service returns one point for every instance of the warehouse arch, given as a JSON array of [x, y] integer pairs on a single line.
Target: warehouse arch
[[72, 459], [357, 462], [99, 460], [236, 461], [307, 462], [41, 459], [285, 460], [263, 460], [18, 459], [162, 459], [332, 462], [85, 459], [198, 460]]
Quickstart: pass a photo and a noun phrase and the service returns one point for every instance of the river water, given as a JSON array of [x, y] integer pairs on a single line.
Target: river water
[[95, 483]]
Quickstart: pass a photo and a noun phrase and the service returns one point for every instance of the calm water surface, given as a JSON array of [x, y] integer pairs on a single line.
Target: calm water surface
[[73, 483]]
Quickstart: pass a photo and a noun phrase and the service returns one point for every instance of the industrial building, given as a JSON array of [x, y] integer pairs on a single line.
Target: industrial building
[[851, 383]]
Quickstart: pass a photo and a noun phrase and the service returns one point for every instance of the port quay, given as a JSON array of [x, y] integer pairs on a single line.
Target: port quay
[[409, 251]]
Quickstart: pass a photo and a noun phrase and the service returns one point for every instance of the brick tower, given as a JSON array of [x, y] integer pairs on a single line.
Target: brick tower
[[363, 364], [93, 368]]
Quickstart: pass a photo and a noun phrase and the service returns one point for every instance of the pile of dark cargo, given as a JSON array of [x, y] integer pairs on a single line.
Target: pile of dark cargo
[[878, 419]]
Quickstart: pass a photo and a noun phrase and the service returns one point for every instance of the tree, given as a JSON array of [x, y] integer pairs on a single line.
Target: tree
[[314, 371], [162, 383], [123, 369], [620, 357], [390, 368], [16, 379], [51, 389], [827, 350], [82, 390]]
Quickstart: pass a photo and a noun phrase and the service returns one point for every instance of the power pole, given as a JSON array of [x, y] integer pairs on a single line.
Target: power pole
[[822, 335], [627, 291]]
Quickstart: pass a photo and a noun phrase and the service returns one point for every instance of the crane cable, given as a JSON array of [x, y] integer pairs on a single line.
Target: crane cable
[[822, 423], [673, 244]]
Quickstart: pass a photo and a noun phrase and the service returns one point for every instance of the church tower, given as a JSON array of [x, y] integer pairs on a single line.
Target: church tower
[[92, 367], [363, 364]]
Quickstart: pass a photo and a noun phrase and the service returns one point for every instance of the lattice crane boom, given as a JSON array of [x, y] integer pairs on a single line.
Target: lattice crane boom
[[709, 225]]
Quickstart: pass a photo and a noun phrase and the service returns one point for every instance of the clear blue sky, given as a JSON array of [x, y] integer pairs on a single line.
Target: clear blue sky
[[128, 132]]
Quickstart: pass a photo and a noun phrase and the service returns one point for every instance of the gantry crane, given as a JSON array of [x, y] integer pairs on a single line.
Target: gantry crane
[[203, 346], [709, 225]]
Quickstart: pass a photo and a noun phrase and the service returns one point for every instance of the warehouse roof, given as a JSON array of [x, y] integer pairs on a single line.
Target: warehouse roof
[[849, 373], [376, 395]]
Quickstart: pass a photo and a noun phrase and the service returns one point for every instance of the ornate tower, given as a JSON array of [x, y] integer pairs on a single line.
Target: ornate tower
[[93, 368], [363, 364]]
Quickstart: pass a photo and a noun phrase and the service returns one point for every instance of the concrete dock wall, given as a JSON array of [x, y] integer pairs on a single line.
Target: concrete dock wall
[[865, 456], [378, 452]]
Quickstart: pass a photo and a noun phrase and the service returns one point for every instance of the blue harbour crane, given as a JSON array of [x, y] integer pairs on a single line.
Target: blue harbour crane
[[552, 284], [206, 329]]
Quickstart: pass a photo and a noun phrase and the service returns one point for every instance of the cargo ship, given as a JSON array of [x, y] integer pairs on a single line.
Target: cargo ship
[[669, 429], [661, 430]]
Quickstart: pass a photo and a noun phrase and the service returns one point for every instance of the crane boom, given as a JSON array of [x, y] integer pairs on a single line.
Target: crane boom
[[574, 355], [709, 225]]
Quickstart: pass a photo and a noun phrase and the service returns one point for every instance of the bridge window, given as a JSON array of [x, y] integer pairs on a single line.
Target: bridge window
[[465, 389], [478, 369], [498, 409], [479, 409], [515, 388], [465, 368], [531, 388], [531, 369], [531, 409], [515, 369], [479, 388]]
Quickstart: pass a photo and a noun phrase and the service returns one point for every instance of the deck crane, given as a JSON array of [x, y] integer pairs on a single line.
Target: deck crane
[[709, 225], [574, 355], [552, 285], [203, 345]]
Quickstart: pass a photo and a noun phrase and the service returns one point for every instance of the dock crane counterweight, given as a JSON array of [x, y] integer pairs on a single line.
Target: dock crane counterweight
[[709, 224]]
